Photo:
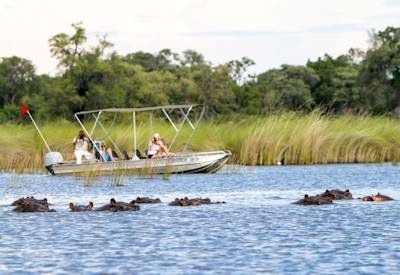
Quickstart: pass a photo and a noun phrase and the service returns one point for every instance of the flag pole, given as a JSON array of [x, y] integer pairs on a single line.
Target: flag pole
[[37, 128]]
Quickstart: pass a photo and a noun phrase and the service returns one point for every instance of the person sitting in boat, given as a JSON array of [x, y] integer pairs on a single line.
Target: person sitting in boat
[[157, 148], [106, 154], [81, 143]]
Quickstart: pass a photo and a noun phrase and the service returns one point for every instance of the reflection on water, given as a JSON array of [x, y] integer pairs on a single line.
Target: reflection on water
[[258, 230]]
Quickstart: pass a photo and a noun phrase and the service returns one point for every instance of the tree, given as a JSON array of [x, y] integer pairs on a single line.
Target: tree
[[239, 68], [380, 71], [166, 59], [287, 88], [83, 66], [338, 86], [17, 78], [68, 49], [147, 60], [191, 58], [55, 97], [214, 88], [163, 60]]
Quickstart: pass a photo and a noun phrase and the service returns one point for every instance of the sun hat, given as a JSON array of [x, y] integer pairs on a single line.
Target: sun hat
[[156, 135]]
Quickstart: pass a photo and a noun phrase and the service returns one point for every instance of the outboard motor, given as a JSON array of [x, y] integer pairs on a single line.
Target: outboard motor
[[52, 158]]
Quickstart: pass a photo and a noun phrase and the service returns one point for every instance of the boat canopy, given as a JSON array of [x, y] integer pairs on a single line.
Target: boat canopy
[[143, 109], [184, 110]]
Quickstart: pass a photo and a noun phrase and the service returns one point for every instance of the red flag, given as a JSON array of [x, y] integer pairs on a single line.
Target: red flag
[[24, 110]]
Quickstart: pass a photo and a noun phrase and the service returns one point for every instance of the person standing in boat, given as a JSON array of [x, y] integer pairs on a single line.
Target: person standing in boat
[[81, 143]]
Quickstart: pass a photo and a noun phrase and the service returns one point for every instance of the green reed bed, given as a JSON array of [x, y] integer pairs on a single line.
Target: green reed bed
[[287, 137]]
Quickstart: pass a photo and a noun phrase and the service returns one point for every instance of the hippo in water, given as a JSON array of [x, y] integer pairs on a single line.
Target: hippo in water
[[377, 197], [185, 202], [115, 206], [208, 201], [192, 202], [314, 200], [32, 206], [30, 199], [80, 208], [146, 200], [336, 194]]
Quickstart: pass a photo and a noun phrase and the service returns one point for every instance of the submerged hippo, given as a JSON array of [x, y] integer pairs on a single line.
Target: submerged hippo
[[146, 200], [80, 208], [336, 194], [314, 200], [32, 206], [184, 202], [208, 201], [377, 197], [30, 199], [192, 202], [115, 206]]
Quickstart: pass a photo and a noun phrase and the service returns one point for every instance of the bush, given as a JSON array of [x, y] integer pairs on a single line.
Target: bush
[[9, 113]]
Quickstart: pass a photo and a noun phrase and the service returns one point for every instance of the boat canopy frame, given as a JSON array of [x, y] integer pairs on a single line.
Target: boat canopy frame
[[184, 110]]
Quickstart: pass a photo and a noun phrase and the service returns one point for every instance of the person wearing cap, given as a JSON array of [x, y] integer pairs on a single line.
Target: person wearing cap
[[157, 148], [154, 145]]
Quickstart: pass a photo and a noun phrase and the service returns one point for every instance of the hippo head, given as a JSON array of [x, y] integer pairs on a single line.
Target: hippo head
[[380, 197], [367, 198], [195, 202]]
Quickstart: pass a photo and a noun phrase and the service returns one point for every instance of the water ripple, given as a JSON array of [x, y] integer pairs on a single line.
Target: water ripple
[[257, 231]]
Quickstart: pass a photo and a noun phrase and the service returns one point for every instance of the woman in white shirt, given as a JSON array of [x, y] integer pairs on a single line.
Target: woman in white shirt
[[157, 148]]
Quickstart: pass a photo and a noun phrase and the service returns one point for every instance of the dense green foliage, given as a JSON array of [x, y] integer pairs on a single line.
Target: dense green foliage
[[96, 77]]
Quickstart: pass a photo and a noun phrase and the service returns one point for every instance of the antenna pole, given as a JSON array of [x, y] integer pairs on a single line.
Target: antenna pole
[[37, 128], [134, 134]]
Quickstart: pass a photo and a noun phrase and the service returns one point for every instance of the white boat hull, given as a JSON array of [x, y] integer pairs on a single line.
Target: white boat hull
[[204, 162]]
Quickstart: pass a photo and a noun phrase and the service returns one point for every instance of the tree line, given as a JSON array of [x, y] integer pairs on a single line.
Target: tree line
[[92, 77]]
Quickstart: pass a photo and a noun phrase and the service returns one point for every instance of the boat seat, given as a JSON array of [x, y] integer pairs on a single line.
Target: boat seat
[[126, 156], [114, 154], [139, 155]]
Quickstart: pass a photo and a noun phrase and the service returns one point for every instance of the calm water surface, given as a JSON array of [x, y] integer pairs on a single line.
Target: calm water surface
[[257, 231]]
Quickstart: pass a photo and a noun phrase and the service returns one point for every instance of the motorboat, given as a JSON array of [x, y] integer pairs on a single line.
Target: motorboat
[[181, 162]]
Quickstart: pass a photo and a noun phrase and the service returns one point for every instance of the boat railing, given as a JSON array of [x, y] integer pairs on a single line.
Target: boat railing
[[185, 110], [177, 156]]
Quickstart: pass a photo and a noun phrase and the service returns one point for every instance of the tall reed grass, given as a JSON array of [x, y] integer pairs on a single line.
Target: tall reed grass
[[287, 138]]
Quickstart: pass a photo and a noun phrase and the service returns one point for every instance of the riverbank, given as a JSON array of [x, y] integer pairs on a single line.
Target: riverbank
[[285, 138]]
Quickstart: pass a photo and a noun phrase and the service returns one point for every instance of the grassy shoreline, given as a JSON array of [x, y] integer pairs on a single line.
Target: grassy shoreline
[[294, 139]]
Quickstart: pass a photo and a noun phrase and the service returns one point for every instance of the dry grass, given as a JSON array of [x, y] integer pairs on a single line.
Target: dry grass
[[287, 137]]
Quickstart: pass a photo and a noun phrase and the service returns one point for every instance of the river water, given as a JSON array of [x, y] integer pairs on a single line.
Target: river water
[[258, 230]]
